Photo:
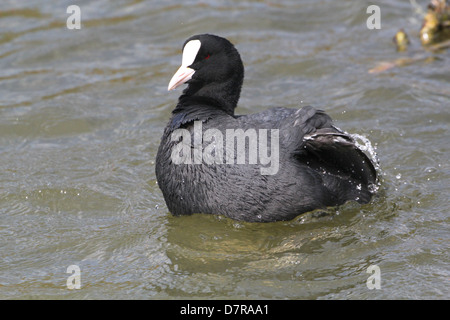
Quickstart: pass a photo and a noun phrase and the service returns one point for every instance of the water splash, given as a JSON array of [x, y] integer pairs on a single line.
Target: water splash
[[366, 146]]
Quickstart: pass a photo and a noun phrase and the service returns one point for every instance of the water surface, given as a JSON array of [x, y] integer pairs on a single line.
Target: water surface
[[82, 113]]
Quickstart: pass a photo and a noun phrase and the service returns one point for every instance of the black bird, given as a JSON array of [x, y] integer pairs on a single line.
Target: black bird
[[201, 167]]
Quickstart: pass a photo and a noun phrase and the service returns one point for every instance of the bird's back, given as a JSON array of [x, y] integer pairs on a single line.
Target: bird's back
[[280, 175]]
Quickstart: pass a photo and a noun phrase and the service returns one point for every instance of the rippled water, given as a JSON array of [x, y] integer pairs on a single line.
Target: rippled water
[[82, 112]]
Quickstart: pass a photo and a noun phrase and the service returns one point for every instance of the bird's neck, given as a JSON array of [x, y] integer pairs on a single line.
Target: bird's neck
[[197, 108], [223, 95]]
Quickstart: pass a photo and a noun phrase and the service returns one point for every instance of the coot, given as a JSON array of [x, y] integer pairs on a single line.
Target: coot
[[269, 166]]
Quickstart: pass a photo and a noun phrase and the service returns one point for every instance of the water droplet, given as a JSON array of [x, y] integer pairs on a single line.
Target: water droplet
[[398, 176], [373, 188]]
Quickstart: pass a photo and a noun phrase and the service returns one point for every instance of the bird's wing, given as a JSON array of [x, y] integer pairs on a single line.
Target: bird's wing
[[324, 147]]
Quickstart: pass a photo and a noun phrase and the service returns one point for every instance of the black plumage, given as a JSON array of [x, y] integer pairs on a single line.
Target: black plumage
[[318, 165]]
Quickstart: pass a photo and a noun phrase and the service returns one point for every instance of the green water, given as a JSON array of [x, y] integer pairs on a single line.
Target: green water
[[81, 116]]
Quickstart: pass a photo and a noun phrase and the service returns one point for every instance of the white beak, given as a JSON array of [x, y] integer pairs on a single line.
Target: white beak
[[182, 75]]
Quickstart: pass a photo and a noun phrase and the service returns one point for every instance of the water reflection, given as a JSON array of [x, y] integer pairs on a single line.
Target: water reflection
[[82, 113]]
